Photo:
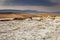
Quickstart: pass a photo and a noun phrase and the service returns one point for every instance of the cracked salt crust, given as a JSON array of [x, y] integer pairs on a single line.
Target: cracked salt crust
[[30, 30]]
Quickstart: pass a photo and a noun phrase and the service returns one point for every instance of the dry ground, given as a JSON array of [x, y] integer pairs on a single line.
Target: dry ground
[[27, 29]]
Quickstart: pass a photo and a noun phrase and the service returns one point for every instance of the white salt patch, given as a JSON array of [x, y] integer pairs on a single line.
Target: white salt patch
[[30, 30]]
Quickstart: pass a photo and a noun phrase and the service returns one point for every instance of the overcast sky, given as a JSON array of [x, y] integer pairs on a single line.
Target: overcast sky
[[40, 5]]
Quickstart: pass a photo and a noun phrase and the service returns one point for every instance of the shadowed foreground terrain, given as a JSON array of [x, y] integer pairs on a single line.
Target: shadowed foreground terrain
[[32, 27]]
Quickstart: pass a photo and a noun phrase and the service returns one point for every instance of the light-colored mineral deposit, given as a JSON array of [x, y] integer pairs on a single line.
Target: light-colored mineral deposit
[[30, 29]]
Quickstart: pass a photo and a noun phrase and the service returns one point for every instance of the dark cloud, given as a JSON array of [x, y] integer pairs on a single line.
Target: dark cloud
[[30, 2]]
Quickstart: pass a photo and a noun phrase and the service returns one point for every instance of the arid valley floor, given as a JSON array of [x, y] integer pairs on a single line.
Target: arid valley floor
[[29, 26]]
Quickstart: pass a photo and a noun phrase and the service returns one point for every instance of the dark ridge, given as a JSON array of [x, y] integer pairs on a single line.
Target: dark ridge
[[6, 12], [18, 19], [5, 20]]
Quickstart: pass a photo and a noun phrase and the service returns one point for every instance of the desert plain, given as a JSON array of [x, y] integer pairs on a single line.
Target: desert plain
[[29, 26]]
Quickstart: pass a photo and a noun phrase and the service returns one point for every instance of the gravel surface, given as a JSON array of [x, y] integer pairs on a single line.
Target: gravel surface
[[46, 29]]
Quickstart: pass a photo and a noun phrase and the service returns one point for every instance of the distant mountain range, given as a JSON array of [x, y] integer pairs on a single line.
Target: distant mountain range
[[10, 10], [32, 11]]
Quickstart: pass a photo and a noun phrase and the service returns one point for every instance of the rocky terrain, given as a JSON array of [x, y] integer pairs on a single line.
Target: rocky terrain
[[42, 27]]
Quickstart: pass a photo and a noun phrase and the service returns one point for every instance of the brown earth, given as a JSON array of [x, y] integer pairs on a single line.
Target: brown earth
[[26, 15]]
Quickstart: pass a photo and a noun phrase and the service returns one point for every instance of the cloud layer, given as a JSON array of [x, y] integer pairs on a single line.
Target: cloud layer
[[41, 5], [27, 2]]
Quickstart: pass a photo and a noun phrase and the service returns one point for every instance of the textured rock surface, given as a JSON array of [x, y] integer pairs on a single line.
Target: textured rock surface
[[46, 29]]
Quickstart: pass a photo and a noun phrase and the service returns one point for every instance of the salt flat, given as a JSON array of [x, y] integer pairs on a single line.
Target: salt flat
[[46, 29]]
